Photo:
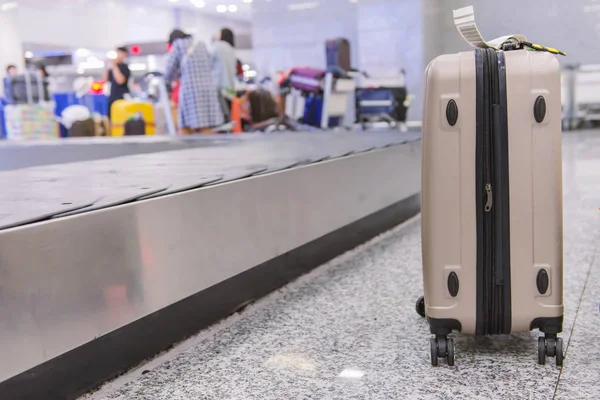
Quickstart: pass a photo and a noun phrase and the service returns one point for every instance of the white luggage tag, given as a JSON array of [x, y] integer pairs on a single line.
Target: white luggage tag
[[464, 20]]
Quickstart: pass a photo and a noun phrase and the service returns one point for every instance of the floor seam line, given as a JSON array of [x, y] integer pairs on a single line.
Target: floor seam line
[[587, 279]]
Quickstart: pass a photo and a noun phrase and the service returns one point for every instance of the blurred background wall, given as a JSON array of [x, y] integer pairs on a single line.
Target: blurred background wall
[[406, 34], [571, 26], [290, 33], [386, 35]]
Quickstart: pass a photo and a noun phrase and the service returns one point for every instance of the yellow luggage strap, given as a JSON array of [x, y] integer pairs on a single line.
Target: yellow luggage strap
[[538, 47]]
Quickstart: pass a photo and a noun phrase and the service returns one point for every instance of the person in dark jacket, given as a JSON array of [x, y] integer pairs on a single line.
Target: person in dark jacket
[[118, 75]]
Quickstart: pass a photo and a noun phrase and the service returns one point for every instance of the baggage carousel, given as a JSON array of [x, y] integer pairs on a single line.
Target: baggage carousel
[[24, 154], [107, 262]]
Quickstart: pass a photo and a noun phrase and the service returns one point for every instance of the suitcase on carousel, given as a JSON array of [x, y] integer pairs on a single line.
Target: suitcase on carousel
[[492, 198], [124, 110], [337, 53], [304, 79], [375, 104]]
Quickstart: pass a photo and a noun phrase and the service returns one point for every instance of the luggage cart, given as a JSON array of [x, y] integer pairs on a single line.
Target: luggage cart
[[382, 99], [338, 100], [333, 88], [29, 115], [583, 96], [158, 91]]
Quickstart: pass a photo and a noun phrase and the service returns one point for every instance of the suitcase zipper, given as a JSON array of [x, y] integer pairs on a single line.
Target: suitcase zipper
[[489, 197], [493, 314]]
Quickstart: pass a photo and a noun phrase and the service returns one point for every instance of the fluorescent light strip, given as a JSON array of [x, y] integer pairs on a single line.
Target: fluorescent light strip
[[138, 67], [303, 6], [9, 6]]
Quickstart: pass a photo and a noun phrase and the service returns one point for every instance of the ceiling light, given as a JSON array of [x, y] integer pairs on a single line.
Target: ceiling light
[[138, 67], [198, 3], [232, 8], [247, 1], [28, 54], [172, 1], [82, 52], [9, 6], [92, 63], [303, 6], [111, 55], [221, 8]]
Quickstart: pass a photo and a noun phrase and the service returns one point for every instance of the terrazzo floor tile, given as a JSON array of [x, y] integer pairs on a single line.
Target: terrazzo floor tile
[[580, 378], [349, 331]]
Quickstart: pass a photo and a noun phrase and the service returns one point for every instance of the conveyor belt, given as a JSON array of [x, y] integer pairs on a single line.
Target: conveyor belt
[[41, 193], [108, 262], [25, 154]]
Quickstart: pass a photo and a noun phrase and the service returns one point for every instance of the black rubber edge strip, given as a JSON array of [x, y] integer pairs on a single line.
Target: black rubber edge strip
[[480, 322], [493, 269], [503, 195], [85, 368]]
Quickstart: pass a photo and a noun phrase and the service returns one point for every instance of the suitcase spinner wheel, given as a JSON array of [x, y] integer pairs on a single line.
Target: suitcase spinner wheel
[[420, 307], [550, 346], [442, 346]]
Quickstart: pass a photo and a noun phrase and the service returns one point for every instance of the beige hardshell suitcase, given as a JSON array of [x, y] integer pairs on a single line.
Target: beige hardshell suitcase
[[492, 198]]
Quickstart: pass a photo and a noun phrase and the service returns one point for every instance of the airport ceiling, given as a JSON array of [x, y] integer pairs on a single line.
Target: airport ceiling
[[235, 9]]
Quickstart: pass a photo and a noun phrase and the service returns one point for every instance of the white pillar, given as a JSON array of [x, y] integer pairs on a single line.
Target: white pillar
[[11, 46]]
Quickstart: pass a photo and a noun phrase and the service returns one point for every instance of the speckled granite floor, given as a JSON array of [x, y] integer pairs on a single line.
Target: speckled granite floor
[[349, 329]]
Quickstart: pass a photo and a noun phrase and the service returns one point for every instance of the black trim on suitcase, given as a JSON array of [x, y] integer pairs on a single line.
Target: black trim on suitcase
[[479, 187], [492, 188], [443, 326], [503, 201], [548, 325]]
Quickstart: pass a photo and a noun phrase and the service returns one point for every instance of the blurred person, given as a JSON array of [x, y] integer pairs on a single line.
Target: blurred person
[[189, 62], [11, 70], [240, 69], [225, 66], [41, 69], [118, 75]]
